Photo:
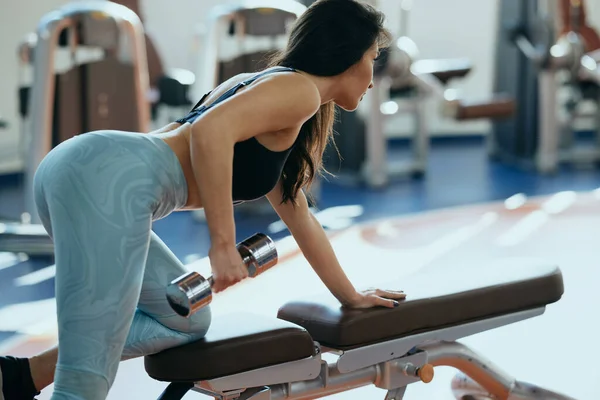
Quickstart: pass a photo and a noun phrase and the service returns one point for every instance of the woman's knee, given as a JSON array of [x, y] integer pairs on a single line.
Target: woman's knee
[[196, 325], [200, 322]]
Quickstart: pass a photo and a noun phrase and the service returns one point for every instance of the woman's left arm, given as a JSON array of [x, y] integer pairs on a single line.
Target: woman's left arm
[[316, 248]]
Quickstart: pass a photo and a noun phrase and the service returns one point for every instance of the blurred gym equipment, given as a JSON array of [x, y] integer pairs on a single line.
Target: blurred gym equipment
[[90, 72], [315, 348], [238, 38], [405, 84], [169, 87], [548, 59]]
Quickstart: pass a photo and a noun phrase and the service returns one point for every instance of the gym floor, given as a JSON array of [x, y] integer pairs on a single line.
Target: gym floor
[[467, 210]]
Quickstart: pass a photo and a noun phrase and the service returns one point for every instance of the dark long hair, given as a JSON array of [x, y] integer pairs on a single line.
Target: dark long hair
[[327, 39]]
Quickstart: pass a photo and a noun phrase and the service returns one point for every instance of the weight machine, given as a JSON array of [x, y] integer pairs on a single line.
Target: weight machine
[[548, 59], [82, 56], [406, 84]]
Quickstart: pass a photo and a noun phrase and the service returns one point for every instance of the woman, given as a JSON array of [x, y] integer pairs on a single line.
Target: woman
[[253, 136]]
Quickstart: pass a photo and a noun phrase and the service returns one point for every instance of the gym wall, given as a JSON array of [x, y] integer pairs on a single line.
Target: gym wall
[[440, 28]]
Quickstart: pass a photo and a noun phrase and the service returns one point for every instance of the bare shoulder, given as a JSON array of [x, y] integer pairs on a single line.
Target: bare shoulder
[[291, 89], [274, 103], [296, 81]]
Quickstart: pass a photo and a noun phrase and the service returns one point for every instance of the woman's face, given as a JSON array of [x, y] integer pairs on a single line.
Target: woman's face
[[357, 80]]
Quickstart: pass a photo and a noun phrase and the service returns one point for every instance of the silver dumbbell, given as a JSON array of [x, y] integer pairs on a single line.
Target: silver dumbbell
[[190, 292]]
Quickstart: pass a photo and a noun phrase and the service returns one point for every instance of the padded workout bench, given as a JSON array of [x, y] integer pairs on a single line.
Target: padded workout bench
[[261, 358]]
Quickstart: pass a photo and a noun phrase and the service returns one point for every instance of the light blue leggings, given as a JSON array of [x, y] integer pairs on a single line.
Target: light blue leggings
[[97, 195]]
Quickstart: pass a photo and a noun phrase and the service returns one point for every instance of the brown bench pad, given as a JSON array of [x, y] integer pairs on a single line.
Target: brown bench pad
[[496, 107], [233, 344], [435, 300]]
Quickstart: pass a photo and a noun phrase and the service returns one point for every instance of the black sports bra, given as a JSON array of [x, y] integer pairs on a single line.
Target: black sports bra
[[256, 169]]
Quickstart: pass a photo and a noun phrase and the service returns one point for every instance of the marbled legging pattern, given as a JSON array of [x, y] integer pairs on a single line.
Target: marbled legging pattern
[[97, 195]]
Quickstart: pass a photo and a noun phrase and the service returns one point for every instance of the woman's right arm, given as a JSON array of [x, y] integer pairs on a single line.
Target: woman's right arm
[[275, 103]]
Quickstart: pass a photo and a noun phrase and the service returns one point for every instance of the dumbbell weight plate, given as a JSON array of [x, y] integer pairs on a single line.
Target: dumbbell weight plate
[[189, 293]]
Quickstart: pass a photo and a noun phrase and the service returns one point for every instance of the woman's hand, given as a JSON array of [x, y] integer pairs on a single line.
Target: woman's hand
[[227, 267], [376, 298]]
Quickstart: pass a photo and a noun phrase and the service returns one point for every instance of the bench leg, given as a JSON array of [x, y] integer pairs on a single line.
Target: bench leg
[[396, 394], [176, 390], [463, 388], [480, 378]]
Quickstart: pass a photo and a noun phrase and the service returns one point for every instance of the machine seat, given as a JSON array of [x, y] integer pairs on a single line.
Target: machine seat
[[497, 107], [233, 344], [435, 300], [443, 69]]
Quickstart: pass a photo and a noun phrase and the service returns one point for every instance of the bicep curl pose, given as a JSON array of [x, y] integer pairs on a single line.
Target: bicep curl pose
[[255, 135]]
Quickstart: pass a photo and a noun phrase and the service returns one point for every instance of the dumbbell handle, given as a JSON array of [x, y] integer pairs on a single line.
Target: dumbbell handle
[[191, 291], [247, 261]]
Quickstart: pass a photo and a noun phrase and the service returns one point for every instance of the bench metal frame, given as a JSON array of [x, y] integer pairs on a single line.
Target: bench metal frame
[[390, 365]]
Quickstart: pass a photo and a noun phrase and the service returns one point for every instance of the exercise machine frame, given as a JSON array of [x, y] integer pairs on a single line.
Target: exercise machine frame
[[558, 60], [29, 236]]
